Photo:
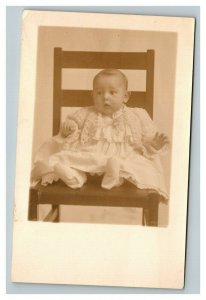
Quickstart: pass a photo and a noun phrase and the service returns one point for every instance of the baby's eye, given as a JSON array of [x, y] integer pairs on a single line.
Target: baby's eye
[[98, 92], [113, 92]]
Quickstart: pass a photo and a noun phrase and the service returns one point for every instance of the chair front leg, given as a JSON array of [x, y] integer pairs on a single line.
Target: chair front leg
[[150, 214]]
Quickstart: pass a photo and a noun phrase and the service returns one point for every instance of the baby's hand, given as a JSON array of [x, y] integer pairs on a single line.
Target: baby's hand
[[159, 141], [69, 127]]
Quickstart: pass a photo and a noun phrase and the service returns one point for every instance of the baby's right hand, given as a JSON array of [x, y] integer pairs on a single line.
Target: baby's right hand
[[69, 127]]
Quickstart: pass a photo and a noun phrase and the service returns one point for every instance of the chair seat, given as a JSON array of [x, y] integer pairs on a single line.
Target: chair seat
[[92, 194]]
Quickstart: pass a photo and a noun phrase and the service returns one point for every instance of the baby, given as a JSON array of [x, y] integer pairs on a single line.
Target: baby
[[108, 139]]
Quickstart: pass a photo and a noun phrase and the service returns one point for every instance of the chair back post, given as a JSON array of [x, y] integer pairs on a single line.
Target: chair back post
[[57, 91], [150, 81]]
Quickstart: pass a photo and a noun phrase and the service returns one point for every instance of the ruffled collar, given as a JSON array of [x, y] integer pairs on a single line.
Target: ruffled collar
[[115, 115], [124, 126]]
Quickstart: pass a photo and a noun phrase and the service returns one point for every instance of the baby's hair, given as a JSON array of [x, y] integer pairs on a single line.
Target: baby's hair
[[109, 72]]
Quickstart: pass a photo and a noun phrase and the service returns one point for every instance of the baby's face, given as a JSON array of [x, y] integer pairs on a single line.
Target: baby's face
[[109, 94]]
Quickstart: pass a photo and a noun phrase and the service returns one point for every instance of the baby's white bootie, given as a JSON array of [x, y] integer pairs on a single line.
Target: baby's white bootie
[[111, 177], [71, 177]]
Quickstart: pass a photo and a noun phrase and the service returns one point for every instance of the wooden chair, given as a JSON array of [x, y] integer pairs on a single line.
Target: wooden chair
[[92, 194]]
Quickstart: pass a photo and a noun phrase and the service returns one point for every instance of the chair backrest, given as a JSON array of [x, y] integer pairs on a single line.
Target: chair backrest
[[99, 60]]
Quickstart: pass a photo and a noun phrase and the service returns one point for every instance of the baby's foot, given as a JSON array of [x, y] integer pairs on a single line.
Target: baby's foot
[[111, 177], [113, 167], [71, 177]]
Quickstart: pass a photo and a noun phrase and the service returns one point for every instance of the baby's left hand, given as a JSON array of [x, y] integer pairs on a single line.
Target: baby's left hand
[[159, 141]]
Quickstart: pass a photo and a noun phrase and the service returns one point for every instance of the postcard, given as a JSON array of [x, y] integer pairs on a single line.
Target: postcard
[[103, 149]]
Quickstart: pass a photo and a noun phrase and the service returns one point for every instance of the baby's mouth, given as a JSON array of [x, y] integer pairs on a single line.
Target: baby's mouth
[[107, 105]]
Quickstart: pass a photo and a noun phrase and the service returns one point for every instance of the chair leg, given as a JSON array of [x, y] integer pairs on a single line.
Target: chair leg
[[143, 217], [57, 208], [33, 205], [150, 214], [53, 215]]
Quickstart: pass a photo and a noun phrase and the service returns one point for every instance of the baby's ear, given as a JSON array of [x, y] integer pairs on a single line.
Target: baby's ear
[[127, 96]]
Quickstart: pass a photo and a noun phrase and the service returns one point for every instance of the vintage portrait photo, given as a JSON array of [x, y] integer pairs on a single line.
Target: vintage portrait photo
[[104, 117], [103, 125]]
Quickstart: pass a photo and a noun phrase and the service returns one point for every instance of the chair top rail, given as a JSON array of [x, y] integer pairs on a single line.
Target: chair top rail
[[104, 60]]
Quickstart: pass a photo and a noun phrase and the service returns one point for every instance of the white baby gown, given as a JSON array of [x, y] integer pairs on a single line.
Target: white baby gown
[[117, 147]]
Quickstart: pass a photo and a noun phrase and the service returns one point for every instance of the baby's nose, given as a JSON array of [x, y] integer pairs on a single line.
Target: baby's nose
[[106, 96]]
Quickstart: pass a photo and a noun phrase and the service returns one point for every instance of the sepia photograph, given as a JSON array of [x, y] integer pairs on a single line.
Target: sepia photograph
[[104, 128]]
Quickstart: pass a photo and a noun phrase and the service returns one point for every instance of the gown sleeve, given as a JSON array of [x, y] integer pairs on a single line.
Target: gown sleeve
[[149, 130]]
